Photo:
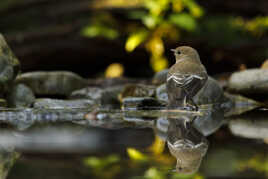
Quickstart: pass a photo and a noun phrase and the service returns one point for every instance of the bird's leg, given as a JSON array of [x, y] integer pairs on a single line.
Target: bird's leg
[[193, 104]]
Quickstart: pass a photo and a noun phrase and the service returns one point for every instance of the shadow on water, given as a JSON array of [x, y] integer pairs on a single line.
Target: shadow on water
[[84, 143]]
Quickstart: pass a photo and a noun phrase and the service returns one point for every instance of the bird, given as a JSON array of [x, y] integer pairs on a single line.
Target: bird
[[185, 78]]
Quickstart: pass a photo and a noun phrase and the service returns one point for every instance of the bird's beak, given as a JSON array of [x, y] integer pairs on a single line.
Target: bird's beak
[[173, 50]]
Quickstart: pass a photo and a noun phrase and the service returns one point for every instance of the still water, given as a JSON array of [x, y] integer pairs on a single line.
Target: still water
[[134, 143]]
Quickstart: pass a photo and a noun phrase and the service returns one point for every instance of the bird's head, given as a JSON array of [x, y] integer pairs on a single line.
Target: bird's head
[[183, 52]]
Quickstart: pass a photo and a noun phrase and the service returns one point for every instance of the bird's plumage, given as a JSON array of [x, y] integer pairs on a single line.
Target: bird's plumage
[[186, 77]]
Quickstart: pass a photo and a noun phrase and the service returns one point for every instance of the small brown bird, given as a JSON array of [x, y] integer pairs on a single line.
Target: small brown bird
[[185, 78]]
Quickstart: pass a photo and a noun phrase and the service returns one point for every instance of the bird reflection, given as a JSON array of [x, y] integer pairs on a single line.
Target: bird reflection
[[186, 144], [185, 136]]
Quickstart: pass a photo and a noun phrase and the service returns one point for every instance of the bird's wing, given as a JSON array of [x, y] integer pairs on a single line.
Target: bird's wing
[[182, 80]]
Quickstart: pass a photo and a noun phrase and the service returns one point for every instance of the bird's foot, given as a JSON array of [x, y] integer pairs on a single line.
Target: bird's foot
[[191, 107]]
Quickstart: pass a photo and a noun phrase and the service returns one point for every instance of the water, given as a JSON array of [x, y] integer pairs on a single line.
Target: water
[[130, 143]]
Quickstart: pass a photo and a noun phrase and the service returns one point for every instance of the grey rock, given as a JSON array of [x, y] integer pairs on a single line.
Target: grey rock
[[52, 83], [161, 93], [138, 90], [20, 96], [106, 98], [240, 104], [91, 93], [252, 81], [9, 65], [63, 104], [211, 93], [160, 77]]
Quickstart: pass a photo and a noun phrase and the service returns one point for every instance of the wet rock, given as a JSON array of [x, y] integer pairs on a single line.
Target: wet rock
[[161, 93], [142, 103], [20, 96], [240, 104], [138, 90], [106, 98], [9, 65], [91, 93], [211, 93], [253, 81], [160, 77], [62, 104], [52, 83]]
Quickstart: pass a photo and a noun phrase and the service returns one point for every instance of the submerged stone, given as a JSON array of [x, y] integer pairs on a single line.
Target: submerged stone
[[252, 81], [20, 95], [61, 104], [52, 83], [138, 90], [9, 65]]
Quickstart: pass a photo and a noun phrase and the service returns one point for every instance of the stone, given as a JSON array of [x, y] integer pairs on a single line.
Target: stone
[[138, 90], [252, 81], [20, 95], [62, 104], [92, 93], [106, 98], [9, 65], [160, 77], [161, 93], [211, 93], [52, 83]]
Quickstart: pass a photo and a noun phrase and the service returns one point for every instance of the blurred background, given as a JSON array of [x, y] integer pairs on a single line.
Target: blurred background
[[95, 37]]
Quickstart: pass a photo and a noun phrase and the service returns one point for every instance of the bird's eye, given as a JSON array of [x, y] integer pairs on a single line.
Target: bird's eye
[[178, 52]]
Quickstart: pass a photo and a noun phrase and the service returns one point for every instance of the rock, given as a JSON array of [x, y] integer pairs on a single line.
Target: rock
[[61, 104], [253, 81], [20, 95], [91, 93], [106, 98], [160, 77], [240, 104], [161, 93], [9, 65], [138, 90], [52, 83], [142, 103], [211, 93]]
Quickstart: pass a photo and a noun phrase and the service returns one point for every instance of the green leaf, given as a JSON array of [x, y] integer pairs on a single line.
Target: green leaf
[[184, 21], [99, 30], [135, 39]]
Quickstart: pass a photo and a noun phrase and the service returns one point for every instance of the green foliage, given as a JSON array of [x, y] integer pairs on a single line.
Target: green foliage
[[184, 21]]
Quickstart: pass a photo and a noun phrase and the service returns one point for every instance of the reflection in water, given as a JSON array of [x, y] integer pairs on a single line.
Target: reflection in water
[[185, 135], [186, 144]]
